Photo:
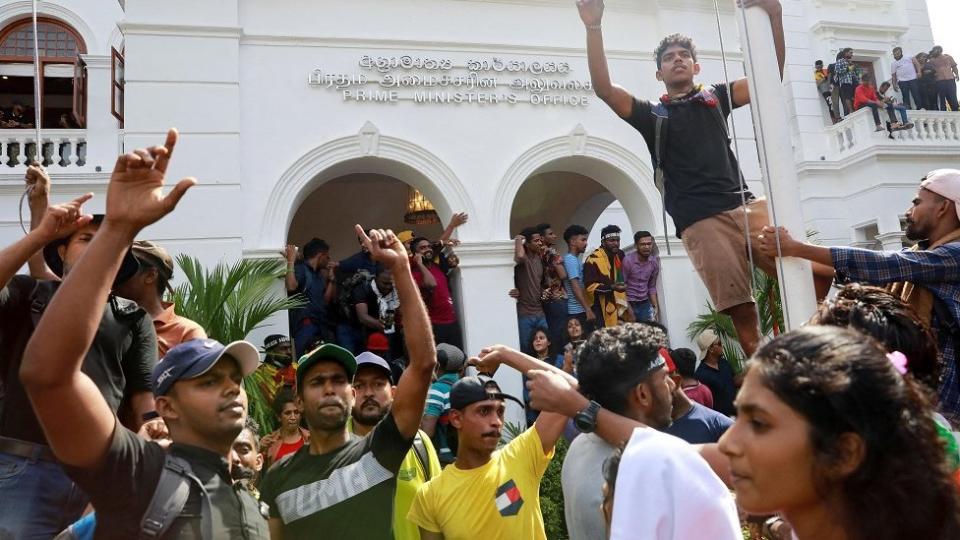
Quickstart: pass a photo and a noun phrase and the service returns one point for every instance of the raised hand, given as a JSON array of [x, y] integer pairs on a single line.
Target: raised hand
[[490, 358], [384, 247], [135, 195], [459, 219], [290, 253], [39, 182], [591, 11], [552, 392], [62, 220]]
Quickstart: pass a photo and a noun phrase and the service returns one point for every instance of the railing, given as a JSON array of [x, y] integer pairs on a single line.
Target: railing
[[59, 148], [858, 131]]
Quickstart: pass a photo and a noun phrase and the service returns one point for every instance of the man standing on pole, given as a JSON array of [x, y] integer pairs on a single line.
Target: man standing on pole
[[704, 191]]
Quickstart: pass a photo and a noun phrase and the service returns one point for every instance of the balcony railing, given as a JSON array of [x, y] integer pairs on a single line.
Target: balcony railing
[[858, 132], [66, 148]]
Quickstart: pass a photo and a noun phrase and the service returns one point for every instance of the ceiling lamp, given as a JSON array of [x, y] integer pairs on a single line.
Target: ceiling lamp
[[420, 210]]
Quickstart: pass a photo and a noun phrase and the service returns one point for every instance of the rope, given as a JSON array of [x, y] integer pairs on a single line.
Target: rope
[[765, 169], [736, 150], [38, 145]]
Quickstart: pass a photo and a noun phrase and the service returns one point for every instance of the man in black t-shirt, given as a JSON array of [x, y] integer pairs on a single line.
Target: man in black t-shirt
[[197, 386], [342, 486], [38, 499], [703, 187]]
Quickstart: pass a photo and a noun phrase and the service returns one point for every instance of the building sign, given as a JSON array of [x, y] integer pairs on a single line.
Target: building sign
[[485, 81]]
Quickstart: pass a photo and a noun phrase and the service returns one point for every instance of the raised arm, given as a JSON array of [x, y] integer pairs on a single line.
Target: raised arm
[[39, 185], [290, 254], [411, 394], [80, 434], [549, 424], [549, 392], [58, 221], [519, 254], [618, 99], [741, 89], [457, 220]]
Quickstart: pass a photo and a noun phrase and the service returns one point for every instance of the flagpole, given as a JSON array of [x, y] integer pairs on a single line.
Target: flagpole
[[775, 148]]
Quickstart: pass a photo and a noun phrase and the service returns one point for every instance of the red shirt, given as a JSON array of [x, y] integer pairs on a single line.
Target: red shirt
[[439, 302], [864, 94], [700, 393], [288, 449]]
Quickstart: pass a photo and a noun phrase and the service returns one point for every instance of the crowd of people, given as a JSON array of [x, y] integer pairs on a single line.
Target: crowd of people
[[121, 419], [926, 81]]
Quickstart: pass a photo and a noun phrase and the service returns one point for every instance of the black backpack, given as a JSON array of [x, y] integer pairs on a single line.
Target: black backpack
[[169, 498]]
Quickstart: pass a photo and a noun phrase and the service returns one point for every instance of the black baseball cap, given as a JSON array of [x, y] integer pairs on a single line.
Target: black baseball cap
[[274, 340], [51, 255], [470, 390], [327, 352]]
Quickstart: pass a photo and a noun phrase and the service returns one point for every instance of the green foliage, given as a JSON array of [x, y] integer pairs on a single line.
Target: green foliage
[[551, 495], [231, 301], [767, 296]]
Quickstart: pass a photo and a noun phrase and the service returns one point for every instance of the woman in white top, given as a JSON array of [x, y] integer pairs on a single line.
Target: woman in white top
[[830, 435]]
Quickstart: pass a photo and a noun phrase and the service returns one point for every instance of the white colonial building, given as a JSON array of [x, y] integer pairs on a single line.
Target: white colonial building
[[303, 117]]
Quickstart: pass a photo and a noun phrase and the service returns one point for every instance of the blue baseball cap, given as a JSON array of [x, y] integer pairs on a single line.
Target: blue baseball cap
[[193, 358]]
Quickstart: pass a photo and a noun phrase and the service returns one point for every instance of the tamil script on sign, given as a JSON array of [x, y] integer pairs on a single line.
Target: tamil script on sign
[[490, 81]]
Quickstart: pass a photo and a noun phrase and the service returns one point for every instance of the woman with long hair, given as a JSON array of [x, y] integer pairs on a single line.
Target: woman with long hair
[[830, 434]]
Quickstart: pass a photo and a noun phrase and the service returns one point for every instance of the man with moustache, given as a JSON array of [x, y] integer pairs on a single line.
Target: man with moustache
[[341, 485], [490, 492], [431, 278], [246, 461], [640, 271], [375, 390], [926, 276]]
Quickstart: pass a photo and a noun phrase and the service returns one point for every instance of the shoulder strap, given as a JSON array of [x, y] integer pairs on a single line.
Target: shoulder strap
[[39, 298], [170, 497], [420, 451], [662, 113]]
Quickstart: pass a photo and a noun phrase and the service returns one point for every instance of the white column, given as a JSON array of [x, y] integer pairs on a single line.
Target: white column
[[776, 157], [488, 314], [891, 241], [103, 144]]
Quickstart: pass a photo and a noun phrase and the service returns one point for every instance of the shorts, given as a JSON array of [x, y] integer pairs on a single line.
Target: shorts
[[718, 250]]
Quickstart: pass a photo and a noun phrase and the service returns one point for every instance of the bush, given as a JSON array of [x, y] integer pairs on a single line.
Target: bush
[[551, 495]]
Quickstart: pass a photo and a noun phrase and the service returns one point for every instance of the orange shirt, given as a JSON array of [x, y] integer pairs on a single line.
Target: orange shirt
[[173, 329], [864, 94]]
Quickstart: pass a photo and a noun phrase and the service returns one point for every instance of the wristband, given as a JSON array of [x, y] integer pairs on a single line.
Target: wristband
[[594, 27]]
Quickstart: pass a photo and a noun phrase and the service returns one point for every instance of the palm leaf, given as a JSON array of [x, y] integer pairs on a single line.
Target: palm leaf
[[229, 302]]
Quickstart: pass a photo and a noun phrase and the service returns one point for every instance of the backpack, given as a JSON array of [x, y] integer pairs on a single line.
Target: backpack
[[346, 289], [173, 489], [662, 113], [420, 451]]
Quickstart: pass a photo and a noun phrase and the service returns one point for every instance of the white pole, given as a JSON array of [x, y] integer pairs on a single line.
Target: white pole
[[772, 127]]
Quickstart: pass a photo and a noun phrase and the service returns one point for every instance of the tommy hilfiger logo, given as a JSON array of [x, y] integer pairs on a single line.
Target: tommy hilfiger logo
[[508, 499]]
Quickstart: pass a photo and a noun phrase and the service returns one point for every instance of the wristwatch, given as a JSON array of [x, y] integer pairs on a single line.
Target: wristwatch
[[586, 420]]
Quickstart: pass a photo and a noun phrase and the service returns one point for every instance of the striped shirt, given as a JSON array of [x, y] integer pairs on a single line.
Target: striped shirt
[[438, 405]]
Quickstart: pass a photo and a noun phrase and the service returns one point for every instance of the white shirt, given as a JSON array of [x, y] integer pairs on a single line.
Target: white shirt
[[904, 69], [666, 491]]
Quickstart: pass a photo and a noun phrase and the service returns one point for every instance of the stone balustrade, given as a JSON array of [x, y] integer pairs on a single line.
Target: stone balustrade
[[857, 132], [60, 148]]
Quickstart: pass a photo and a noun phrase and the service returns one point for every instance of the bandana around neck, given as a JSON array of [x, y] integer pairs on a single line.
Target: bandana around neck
[[699, 94]]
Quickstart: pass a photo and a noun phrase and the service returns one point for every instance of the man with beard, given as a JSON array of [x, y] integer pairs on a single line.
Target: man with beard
[[490, 492], [341, 485], [374, 388], [431, 278], [603, 280], [621, 369], [278, 369], [640, 271], [926, 276], [529, 278], [246, 461]]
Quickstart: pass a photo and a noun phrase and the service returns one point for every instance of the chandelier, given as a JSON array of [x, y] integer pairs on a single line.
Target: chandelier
[[420, 210]]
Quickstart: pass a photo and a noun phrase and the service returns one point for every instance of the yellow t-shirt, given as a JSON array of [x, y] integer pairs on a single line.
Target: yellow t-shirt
[[500, 500], [409, 480]]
